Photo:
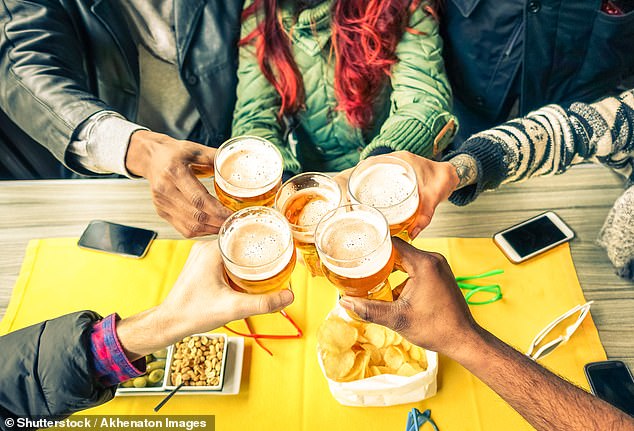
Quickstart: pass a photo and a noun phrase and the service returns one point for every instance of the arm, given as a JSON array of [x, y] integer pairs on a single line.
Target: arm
[[550, 140], [258, 103], [431, 312], [59, 367], [44, 85], [421, 95]]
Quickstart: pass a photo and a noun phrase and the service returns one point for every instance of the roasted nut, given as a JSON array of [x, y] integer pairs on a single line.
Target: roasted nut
[[197, 361]]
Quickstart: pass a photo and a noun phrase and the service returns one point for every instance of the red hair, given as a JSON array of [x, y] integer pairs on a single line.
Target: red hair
[[365, 34]]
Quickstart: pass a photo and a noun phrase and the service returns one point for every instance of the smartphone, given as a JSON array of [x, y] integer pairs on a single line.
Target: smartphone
[[116, 238], [612, 382], [533, 236]]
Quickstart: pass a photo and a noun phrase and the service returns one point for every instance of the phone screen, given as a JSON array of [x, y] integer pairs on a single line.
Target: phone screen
[[613, 383], [533, 236], [116, 238]]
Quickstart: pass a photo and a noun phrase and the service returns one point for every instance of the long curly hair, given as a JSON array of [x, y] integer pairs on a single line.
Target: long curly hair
[[365, 34]]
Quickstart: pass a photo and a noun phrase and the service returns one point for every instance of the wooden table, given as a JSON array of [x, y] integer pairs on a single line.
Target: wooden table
[[583, 197]]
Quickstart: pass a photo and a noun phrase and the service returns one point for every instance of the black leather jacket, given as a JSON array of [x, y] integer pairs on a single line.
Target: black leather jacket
[[46, 370], [544, 51], [63, 60]]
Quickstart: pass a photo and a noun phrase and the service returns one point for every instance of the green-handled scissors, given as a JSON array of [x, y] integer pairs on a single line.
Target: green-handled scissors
[[473, 289]]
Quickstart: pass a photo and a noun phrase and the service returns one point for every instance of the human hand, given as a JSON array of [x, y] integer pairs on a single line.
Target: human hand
[[201, 300], [170, 166], [429, 309], [436, 181]]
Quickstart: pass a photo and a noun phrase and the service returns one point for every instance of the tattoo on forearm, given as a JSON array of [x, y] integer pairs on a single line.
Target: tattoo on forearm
[[466, 168]]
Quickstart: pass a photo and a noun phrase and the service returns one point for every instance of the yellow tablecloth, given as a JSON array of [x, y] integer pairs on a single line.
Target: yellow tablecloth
[[287, 391]]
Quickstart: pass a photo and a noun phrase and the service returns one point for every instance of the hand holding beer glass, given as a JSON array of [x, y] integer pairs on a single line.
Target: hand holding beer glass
[[304, 200], [248, 172], [355, 248], [257, 249], [388, 184]]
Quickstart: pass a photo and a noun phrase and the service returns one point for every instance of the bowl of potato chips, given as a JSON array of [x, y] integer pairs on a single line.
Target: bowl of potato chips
[[369, 365]]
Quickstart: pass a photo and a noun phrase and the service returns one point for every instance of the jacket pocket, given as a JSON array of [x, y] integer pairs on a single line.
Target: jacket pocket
[[466, 7], [610, 48]]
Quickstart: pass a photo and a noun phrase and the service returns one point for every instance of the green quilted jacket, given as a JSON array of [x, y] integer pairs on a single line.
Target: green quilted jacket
[[411, 113]]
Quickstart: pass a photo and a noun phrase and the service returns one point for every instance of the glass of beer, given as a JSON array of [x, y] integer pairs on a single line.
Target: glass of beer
[[388, 184], [257, 249], [355, 248], [247, 172], [304, 200]]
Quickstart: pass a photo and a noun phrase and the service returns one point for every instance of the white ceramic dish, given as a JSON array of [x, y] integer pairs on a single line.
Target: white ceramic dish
[[232, 375]]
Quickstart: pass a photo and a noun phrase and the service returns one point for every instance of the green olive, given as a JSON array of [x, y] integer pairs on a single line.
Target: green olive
[[160, 364], [156, 376], [149, 358], [140, 382], [127, 384], [161, 354]]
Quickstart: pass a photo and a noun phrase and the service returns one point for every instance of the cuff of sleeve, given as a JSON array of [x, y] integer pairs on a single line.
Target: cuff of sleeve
[[409, 135], [111, 365], [108, 144], [491, 169]]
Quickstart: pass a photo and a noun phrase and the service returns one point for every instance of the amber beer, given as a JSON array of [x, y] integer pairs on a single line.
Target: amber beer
[[388, 184], [355, 248], [257, 249], [247, 172], [304, 200]]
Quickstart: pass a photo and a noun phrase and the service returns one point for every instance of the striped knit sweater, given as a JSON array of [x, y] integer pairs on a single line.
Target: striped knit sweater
[[550, 140]]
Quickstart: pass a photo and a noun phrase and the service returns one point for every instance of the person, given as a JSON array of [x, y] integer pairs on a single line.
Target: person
[[346, 79], [506, 59], [74, 362], [548, 141], [135, 88], [430, 311]]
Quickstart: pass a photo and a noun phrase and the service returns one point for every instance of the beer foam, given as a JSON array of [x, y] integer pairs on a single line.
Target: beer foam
[[258, 248], [386, 187], [354, 236], [248, 167]]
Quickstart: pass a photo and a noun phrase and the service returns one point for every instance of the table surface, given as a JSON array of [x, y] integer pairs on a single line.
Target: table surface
[[582, 197]]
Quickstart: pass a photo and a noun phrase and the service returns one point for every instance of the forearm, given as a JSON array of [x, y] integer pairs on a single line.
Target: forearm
[[546, 401]]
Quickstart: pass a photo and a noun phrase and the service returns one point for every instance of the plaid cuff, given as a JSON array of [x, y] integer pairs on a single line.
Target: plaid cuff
[[109, 360]]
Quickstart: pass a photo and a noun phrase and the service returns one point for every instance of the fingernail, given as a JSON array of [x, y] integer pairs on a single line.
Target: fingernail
[[287, 296], [347, 304]]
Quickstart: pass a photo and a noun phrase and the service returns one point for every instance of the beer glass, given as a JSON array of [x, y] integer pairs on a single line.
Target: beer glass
[[247, 172], [257, 249], [304, 200], [388, 184], [355, 248]]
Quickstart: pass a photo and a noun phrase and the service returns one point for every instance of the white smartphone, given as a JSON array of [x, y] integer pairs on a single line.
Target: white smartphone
[[533, 236]]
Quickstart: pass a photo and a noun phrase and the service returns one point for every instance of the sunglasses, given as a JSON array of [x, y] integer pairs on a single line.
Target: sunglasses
[[536, 353]]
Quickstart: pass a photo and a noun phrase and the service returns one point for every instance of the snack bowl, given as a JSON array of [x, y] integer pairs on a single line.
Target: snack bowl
[[152, 380], [199, 361]]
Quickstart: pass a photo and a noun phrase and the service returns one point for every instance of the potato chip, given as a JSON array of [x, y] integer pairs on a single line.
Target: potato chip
[[393, 358], [359, 367], [386, 370], [375, 356], [338, 365], [375, 335], [406, 370], [406, 345], [390, 337], [335, 335], [415, 353], [361, 339], [374, 371]]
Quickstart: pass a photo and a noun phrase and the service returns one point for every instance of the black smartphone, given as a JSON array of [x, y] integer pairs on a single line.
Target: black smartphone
[[116, 238], [612, 381], [533, 236]]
